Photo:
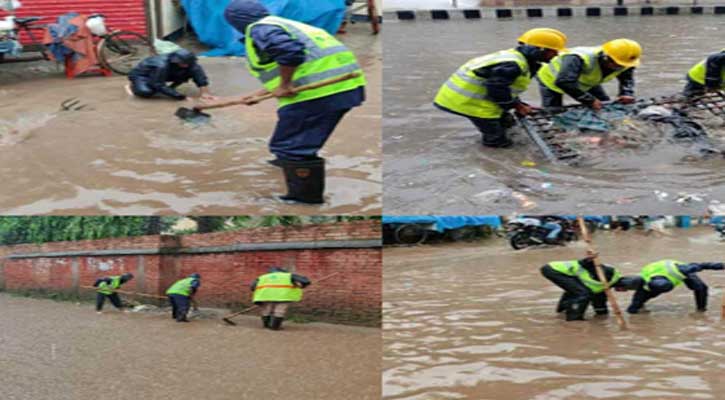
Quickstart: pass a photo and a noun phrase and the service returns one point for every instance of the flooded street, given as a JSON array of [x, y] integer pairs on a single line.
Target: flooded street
[[121, 155], [64, 351], [428, 151], [478, 321]]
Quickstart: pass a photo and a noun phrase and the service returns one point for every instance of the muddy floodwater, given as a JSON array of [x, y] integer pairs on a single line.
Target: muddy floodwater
[[479, 322], [428, 151], [64, 351], [121, 155]]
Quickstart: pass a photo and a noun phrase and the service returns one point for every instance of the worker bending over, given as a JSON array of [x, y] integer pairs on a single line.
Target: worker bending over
[[274, 291]]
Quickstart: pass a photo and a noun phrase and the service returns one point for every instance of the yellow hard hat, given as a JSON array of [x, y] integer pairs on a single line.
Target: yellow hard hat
[[544, 37], [624, 52]]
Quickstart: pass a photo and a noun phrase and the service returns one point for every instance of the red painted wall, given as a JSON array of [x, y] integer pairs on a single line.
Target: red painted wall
[[354, 295], [120, 14]]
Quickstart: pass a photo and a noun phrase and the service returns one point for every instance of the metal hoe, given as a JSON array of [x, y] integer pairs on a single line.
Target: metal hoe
[[195, 114]]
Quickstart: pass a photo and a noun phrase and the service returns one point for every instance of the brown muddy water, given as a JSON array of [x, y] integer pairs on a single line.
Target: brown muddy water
[[428, 151], [65, 351], [478, 321], [122, 155]]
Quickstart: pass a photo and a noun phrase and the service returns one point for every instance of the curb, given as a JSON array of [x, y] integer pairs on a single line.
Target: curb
[[539, 12]]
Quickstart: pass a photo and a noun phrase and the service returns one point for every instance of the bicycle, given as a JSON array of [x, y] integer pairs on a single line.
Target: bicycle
[[118, 51]]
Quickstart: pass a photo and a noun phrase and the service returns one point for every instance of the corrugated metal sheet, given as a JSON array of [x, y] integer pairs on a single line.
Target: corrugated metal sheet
[[120, 14]]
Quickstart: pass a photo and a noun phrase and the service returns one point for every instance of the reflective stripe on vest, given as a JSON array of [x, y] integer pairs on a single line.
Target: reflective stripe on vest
[[465, 92], [276, 286], [182, 287], [573, 268], [105, 288], [665, 268], [698, 73], [325, 58], [591, 74]]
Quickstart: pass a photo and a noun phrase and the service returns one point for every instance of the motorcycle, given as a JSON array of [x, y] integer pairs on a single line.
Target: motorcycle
[[522, 235], [720, 228]]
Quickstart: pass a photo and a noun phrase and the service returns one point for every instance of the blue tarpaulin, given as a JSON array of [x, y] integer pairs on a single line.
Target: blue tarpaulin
[[207, 19], [441, 223]]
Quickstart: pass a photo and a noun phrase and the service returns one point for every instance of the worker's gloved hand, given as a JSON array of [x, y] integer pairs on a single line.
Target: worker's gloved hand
[[523, 109], [284, 91], [208, 97], [596, 105], [626, 99], [249, 100]]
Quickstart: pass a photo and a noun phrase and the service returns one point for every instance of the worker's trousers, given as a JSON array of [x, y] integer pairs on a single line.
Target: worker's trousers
[[113, 297], [179, 306], [274, 309], [301, 133], [576, 297]]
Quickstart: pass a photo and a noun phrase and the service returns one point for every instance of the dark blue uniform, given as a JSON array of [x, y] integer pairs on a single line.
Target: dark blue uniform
[[660, 284], [154, 74], [302, 128]]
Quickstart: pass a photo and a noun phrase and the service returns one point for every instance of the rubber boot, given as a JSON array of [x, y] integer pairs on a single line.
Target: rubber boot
[[277, 162], [276, 323], [305, 180], [575, 311], [266, 321], [563, 303]]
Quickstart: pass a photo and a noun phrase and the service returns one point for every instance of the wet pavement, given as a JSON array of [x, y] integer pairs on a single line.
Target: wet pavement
[[478, 321], [428, 151], [65, 351], [121, 155]]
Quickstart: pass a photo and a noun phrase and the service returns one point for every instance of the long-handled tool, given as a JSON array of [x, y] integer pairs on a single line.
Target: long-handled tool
[[722, 313], [228, 318], [600, 274], [196, 115], [154, 296]]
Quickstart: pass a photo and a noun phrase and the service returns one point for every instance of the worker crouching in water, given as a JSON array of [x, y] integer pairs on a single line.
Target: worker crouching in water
[[706, 76], [106, 288], [581, 286], [274, 291], [664, 275], [581, 71], [180, 295], [486, 88], [152, 75], [284, 54]]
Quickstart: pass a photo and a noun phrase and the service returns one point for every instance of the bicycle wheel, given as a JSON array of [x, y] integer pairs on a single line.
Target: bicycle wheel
[[122, 50]]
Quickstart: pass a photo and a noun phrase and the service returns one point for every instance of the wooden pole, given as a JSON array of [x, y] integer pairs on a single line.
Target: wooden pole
[[228, 317], [722, 313], [600, 274]]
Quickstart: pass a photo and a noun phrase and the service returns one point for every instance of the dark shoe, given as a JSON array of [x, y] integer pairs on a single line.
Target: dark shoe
[[305, 180], [499, 144], [276, 162], [266, 321], [276, 323], [182, 320]]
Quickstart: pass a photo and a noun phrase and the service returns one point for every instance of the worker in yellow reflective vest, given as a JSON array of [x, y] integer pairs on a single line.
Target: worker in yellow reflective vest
[[274, 291], [581, 71], [486, 88], [106, 288], [706, 76], [664, 275], [581, 286], [180, 295], [284, 54]]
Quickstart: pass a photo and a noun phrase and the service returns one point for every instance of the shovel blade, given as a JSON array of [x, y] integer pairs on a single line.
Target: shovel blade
[[192, 115], [229, 321]]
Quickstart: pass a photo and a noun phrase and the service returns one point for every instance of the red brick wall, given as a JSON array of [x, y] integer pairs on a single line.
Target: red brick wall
[[354, 295]]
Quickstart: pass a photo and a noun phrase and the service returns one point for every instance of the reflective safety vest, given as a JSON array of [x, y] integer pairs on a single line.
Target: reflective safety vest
[[591, 74], [182, 287], [276, 286], [325, 58], [465, 92], [109, 288], [699, 72], [573, 268], [666, 268]]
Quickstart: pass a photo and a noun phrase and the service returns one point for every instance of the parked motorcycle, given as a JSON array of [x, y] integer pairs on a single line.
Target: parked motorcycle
[[522, 235]]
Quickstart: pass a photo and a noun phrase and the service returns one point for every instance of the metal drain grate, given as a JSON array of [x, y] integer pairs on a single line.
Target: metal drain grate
[[547, 135]]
